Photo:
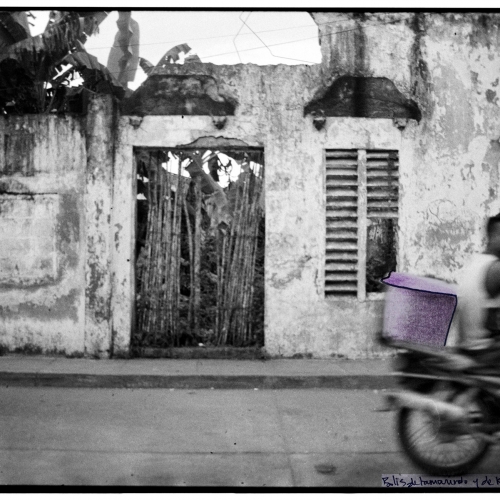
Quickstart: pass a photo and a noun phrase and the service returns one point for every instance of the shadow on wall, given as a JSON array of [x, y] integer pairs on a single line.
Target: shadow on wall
[[364, 97], [179, 95]]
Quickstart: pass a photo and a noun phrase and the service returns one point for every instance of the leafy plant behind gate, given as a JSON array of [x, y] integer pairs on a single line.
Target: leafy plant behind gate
[[207, 284]]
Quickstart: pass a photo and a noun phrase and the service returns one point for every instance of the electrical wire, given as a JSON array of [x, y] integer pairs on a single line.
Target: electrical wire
[[319, 37], [260, 47], [267, 46], [234, 39], [231, 35]]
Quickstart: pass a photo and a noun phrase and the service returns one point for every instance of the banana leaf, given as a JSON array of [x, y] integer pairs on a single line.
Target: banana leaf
[[146, 66], [14, 27], [172, 55], [123, 57]]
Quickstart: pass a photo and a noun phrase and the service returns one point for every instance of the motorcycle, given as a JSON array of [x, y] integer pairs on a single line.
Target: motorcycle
[[448, 409]]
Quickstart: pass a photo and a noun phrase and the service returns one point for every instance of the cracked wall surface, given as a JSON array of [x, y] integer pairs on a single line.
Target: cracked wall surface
[[42, 301], [457, 142], [449, 162], [448, 64], [55, 212], [298, 319], [83, 298]]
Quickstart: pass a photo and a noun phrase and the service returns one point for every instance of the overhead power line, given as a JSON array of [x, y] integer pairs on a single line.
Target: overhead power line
[[394, 21], [267, 46], [234, 39], [260, 47], [241, 34]]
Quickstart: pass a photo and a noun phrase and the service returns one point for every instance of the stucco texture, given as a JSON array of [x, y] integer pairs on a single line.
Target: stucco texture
[[451, 181], [298, 319], [56, 177], [42, 256], [449, 178], [449, 65], [83, 298]]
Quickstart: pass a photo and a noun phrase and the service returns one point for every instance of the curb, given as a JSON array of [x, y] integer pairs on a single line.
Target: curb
[[77, 380]]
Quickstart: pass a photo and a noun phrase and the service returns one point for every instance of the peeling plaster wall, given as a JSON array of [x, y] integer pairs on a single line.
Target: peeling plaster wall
[[450, 65], [42, 301], [449, 174], [298, 319], [449, 163], [451, 182], [100, 129], [56, 178], [67, 201], [366, 44]]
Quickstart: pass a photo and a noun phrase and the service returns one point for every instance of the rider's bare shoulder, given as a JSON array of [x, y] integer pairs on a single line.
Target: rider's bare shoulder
[[493, 279]]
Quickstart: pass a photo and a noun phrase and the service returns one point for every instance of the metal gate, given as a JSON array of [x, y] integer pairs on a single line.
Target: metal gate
[[200, 248]]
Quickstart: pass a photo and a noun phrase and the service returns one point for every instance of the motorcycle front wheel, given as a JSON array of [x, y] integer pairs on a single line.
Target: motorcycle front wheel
[[438, 446]]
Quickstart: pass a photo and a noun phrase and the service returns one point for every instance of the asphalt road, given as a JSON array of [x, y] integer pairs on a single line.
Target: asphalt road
[[157, 437]]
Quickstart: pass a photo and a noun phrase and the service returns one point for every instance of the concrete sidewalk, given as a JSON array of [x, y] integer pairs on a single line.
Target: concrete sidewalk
[[196, 373]]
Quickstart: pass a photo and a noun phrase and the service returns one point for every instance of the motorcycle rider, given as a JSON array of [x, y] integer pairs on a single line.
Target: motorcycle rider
[[479, 294]]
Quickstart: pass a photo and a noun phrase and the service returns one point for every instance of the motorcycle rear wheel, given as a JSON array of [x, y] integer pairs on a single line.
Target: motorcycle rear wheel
[[435, 447]]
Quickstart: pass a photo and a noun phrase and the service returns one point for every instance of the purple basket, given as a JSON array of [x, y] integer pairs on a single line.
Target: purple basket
[[417, 309]]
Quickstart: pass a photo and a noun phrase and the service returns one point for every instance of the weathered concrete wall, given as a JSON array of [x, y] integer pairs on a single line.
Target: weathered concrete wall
[[269, 116], [367, 44], [451, 182], [67, 274], [449, 64], [298, 318], [100, 128], [56, 176], [42, 166]]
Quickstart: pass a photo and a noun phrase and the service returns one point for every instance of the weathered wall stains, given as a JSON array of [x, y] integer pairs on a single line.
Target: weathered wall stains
[[69, 228], [98, 207], [448, 64], [490, 166], [194, 94], [123, 221], [451, 176], [65, 308], [369, 44], [366, 97], [298, 319], [42, 281], [420, 81], [278, 280], [214, 142], [27, 253]]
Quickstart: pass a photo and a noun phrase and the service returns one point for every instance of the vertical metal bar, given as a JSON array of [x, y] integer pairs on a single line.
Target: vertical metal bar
[[362, 224]]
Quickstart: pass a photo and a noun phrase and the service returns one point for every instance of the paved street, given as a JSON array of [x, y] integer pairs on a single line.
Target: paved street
[[158, 437]]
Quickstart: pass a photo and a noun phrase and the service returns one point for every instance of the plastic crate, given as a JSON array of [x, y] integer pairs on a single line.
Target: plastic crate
[[418, 309]]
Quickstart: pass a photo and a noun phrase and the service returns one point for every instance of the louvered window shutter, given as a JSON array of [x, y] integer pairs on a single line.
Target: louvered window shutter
[[361, 212], [382, 183], [341, 267]]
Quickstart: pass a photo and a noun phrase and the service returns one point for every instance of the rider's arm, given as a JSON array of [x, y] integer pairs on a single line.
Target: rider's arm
[[493, 279]]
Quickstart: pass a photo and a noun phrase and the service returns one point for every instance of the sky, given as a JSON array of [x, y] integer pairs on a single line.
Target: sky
[[219, 37]]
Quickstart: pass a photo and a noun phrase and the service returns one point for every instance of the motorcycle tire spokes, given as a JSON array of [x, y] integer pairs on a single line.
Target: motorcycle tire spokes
[[441, 446]]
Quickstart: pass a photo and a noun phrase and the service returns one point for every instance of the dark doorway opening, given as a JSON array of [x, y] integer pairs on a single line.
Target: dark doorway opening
[[199, 248]]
